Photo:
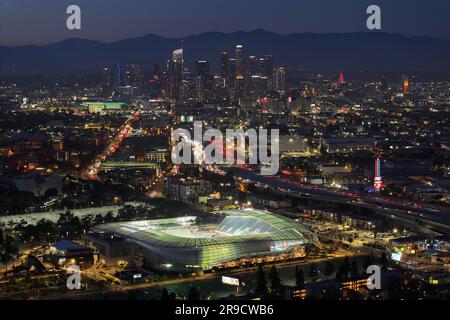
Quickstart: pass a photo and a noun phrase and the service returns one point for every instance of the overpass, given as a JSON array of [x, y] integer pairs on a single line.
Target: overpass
[[426, 220]]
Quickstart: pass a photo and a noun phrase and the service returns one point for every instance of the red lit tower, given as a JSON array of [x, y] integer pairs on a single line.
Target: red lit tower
[[341, 78], [377, 181]]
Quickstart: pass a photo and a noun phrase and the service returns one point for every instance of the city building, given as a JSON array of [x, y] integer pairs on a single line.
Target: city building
[[187, 189]]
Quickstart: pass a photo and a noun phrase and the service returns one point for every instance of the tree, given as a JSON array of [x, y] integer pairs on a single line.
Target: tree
[[299, 277], [164, 294], [329, 269], [354, 270], [344, 270], [275, 281], [383, 261], [314, 273], [8, 251], [261, 283], [1, 240], [313, 270], [368, 261], [194, 294]]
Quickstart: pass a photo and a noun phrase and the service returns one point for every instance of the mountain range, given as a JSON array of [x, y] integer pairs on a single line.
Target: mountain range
[[331, 52]]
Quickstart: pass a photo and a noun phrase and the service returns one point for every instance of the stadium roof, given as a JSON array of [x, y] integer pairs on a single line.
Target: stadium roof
[[238, 226]]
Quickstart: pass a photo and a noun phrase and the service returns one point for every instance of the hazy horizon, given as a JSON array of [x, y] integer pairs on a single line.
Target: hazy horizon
[[28, 22], [230, 32]]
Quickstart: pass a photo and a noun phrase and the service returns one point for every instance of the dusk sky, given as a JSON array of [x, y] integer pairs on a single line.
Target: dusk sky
[[43, 21]]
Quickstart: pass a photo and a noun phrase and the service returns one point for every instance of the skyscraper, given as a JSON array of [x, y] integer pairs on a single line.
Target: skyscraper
[[266, 66], [111, 80], [156, 72], [239, 61], [252, 66], [175, 71], [232, 69], [224, 65], [203, 81], [133, 76], [202, 68], [405, 85], [279, 80], [108, 81]]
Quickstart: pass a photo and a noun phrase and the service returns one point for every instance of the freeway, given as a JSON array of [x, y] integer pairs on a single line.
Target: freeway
[[407, 212]]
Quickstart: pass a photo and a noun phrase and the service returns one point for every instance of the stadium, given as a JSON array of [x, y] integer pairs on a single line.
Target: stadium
[[181, 244]]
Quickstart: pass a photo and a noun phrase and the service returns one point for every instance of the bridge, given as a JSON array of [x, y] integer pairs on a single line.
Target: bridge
[[424, 220]]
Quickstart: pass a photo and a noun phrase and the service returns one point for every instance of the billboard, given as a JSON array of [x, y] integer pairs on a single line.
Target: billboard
[[396, 256], [231, 281]]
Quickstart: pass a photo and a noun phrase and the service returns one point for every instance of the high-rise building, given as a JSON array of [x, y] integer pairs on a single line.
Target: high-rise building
[[405, 85], [111, 79], [133, 76], [108, 82], [266, 66], [279, 80], [156, 72], [252, 66], [239, 61], [224, 65], [176, 66], [232, 69], [204, 81], [117, 75], [202, 68]]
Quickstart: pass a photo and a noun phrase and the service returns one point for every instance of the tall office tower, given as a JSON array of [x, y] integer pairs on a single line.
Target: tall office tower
[[117, 76], [405, 85], [224, 65], [279, 80], [133, 76], [266, 66], [202, 68], [188, 89], [252, 66], [239, 61], [232, 69], [203, 83], [176, 66], [156, 72], [108, 81]]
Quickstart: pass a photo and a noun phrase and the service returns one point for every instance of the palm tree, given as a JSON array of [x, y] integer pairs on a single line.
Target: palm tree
[[354, 270], [299, 277], [194, 294], [368, 261], [275, 281], [329, 269], [261, 284], [8, 252], [383, 261]]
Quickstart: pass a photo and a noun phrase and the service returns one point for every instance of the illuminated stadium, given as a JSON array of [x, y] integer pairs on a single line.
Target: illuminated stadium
[[181, 244]]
